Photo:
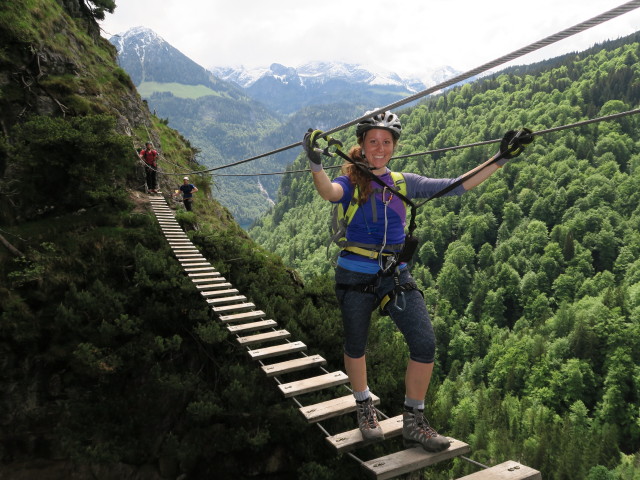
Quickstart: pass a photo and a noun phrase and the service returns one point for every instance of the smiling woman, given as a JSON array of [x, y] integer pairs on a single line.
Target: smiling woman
[[371, 270]]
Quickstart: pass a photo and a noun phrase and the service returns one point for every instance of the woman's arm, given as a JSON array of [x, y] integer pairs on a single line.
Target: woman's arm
[[482, 172], [325, 187]]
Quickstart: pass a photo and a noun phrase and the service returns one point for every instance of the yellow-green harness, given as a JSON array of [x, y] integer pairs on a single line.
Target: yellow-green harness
[[341, 219]]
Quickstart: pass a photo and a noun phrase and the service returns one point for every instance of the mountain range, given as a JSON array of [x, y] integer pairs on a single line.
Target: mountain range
[[232, 113], [287, 89]]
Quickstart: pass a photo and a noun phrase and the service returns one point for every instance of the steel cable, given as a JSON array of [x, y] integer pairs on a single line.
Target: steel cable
[[578, 28]]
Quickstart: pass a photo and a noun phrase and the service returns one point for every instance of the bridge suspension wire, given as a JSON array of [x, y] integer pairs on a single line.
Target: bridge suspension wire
[[581, 123], [613, 116], [563, 34]]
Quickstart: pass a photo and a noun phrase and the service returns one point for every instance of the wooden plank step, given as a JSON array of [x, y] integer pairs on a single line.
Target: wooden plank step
[[215, 282], [224, 300], [292, 365], [209, 290], [186, 251], [238, 307], [332, 408], [187, 264], [508, 470], [199, 270], [313, 384], [204, 275], [242, 317], [204, 280], [274, 351], [192, 257], [347, 441], [263, 337], [252, 327], [406, 461], [219, 293]]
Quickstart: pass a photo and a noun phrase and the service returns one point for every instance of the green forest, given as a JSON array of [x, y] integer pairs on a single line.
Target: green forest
[[113, 367], [533, 278]]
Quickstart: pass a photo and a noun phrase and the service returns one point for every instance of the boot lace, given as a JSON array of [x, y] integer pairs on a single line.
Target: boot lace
[[368, 414], [423, 425]]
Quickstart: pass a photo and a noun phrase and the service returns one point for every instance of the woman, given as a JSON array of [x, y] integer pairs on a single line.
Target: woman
[[363, 278]]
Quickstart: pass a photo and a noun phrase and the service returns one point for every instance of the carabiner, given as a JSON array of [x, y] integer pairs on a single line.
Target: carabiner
[[404, 301], [330, 143]]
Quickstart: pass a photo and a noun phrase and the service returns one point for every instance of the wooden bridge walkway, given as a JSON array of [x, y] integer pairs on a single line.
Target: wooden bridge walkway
[[264, 340]]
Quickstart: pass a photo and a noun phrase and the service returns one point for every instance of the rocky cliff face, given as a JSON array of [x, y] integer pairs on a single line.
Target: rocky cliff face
[[57, 70], [53, 63]]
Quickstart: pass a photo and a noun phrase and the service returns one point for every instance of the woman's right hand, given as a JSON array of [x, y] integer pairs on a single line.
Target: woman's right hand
[[309, 145]]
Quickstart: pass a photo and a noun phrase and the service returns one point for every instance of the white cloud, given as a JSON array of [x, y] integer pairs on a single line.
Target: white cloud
[[407, 37]]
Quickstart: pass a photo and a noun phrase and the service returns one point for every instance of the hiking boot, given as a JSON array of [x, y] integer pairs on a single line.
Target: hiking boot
[[368, 421], [416, 430]]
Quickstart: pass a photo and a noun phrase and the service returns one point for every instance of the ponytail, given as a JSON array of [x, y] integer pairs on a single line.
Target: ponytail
[[357, 177]]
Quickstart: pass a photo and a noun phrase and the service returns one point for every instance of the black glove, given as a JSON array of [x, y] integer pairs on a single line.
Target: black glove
[[513, 144], [309, 144]]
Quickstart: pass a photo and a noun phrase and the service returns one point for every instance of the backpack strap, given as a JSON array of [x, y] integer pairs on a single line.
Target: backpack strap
[[341, 220]]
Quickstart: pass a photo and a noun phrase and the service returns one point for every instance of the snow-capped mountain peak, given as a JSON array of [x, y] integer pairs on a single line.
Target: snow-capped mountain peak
[[314, 72], [142, 36]]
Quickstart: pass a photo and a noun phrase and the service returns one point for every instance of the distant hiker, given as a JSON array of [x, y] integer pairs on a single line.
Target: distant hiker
[[149, 156], [371, 269], [187, 189]]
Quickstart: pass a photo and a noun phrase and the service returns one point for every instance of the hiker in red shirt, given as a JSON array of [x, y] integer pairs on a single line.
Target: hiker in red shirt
[[149, 155]]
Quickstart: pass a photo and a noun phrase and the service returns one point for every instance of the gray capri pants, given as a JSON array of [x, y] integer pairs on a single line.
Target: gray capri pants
[[410, 316]]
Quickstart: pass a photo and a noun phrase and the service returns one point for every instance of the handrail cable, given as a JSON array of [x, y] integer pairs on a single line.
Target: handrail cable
[[563, 34], [581, 123]]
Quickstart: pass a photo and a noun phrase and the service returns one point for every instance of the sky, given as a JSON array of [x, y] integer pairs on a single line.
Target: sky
[[408, 37]]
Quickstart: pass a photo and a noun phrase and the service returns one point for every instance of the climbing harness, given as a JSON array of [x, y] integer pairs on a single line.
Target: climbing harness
[[341, 219], [395, 296], [389, 256], [511, 146]]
